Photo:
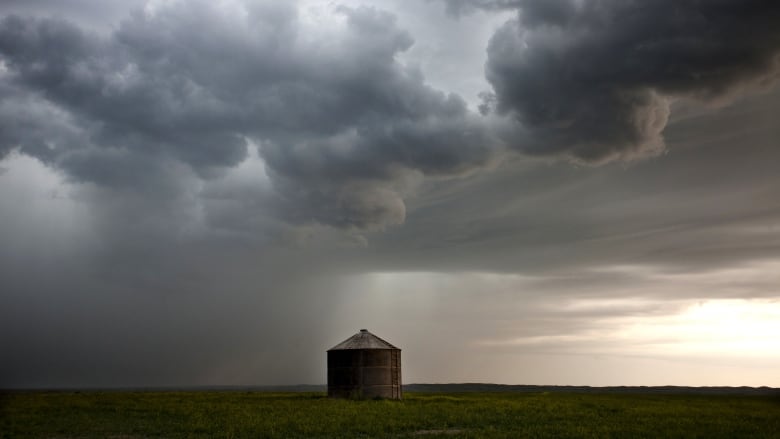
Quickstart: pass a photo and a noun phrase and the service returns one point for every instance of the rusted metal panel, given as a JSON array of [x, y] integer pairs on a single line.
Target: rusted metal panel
[[396, 374]]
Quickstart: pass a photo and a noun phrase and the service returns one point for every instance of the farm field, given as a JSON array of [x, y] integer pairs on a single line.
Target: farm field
[[238, 414]]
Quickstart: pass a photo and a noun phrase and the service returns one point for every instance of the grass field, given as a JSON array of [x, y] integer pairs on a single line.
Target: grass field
[[130, 415]]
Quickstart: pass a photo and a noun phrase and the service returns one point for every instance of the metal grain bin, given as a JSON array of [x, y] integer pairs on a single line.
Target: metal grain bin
[[364, 366]]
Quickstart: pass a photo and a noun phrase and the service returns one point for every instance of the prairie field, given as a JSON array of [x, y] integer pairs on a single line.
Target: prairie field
[[240, 414]]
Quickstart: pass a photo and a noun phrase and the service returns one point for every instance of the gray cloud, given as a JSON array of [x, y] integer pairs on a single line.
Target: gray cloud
[[594, 79], [703, 204], [100, 15], [340, 122], [461, 7], [345, 129]]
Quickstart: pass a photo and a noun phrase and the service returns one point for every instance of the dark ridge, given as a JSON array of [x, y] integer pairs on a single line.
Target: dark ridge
[[520, 388], [438, 388], [259, 388]]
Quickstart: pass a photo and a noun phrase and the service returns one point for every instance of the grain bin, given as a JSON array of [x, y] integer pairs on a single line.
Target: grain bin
[[364, 366]]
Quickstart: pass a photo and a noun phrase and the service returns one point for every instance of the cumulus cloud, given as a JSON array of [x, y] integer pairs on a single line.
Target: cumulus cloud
[[594, 79], [346, 129], [461, 7], [341, 124]]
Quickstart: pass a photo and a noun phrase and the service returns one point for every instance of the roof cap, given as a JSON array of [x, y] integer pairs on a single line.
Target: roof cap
[[363, 340]]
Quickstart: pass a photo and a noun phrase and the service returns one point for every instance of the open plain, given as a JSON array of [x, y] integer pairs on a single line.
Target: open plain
[[252, 414]]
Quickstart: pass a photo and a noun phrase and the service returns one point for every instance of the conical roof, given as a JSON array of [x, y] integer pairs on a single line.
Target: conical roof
[[363, 340]]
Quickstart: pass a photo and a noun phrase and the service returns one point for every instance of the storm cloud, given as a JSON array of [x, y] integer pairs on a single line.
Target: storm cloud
[[340, 123], [595, 80], [345, 129]]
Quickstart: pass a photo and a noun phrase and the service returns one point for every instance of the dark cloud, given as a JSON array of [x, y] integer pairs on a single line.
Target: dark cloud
[[338, 119], [99, 15], [594, 79], [345, 129], [706, 203]]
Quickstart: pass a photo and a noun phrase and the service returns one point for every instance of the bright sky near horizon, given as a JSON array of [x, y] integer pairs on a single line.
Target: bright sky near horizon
[[566, 192]]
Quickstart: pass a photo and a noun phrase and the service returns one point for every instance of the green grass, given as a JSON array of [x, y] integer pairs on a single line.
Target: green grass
[[130, 415]]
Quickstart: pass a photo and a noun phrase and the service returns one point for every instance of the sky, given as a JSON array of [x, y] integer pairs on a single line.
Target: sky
[[559, 192]]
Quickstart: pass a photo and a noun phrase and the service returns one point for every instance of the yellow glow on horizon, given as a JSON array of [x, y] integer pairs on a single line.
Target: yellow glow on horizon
[[722, 327], [513, 328], [709, 328]]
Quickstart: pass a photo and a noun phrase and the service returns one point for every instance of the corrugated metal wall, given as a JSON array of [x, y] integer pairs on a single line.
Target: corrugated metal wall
[[364, 373]]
